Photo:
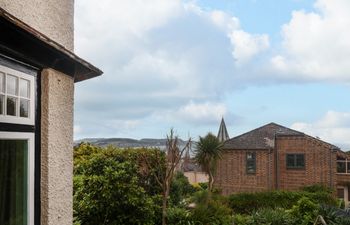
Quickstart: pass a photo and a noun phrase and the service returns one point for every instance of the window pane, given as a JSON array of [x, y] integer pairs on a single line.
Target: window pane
[[2, 104], [2, 82], [300, 162], [290, 160], [251, 163], [24, 108], [24, 88], [341, 167], [11, 106], [11, 84], [13, 182]]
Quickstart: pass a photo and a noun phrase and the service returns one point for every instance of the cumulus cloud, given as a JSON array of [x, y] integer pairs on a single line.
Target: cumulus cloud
[[159, 57], [333, 127], [316, 44]]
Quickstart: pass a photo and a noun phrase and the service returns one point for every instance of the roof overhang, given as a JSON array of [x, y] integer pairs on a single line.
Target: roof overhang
[[21, 42]]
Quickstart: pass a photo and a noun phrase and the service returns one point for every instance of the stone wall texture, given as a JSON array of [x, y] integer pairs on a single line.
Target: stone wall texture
[[56, 151], [54, 18]]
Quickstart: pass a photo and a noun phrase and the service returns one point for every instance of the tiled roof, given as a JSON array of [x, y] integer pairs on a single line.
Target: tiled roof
[[260, 138]]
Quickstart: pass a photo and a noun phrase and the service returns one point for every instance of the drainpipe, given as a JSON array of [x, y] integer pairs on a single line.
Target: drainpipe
[[331, 168], [276, 165]]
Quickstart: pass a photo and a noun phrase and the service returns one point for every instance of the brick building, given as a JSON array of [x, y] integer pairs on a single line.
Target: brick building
[[275, 157]]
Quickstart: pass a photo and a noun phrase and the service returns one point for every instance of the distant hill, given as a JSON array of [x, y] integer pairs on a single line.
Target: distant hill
[[128, 142]]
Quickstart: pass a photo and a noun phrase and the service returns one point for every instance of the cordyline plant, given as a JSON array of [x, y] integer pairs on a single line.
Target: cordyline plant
[[164, 168]]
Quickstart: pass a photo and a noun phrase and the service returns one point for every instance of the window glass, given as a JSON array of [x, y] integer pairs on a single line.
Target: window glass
[[24, 108], [1, 104], [24, 88], [2, 82], [251, 162], [341, 167], [300, 161], [290, 160], [295, 161], [11, 85], [11, 106], [13, 182], [340, 192]]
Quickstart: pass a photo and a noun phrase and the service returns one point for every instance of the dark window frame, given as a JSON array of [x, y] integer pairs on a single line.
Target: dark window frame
[[249, 161], [295, 161]]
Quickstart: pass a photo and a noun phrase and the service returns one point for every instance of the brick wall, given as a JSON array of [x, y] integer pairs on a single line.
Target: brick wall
[[231, 175], [318, 166], [271, 170]]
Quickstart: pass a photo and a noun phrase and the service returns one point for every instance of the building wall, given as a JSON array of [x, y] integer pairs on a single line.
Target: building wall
[[319, 163], [54, 18], [231, 173], [57, 148], [195, 177]]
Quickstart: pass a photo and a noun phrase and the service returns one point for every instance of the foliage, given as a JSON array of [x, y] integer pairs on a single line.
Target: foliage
[[211, 209], [249, 202], [180, 189], [334, 216], [317, 188], [271, 217], [305, 211], [179, 216], [111, 187], [207, 152]]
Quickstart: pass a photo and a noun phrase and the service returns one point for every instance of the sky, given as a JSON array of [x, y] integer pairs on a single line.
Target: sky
[[185, 64]]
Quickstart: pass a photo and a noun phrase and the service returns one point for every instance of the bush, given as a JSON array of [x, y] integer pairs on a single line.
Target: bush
[[110, 187], [305, 211], [333, 215], [317, 188], [211, 209], [250, 202], [180, 189], [179, 216], [271, 217]]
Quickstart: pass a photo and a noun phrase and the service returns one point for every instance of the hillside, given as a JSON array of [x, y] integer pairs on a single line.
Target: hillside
[[127, 142]]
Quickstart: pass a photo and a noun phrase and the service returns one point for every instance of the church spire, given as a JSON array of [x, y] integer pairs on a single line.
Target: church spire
[[223, 134]]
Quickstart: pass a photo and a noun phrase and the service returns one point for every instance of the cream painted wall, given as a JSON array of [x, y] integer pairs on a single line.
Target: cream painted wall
[[54, 18], [57, 148]]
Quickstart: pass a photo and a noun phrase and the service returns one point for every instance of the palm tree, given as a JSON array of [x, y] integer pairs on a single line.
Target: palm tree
[[207, 152]]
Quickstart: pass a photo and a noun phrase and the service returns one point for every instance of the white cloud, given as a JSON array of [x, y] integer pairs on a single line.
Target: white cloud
[[157, 56], [334, 127], [200, 113], [316, 44], [246, 46]]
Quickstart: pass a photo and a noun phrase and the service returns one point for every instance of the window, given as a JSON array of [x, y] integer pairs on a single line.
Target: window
[[295, 161], [16, 97], [251, 162], [343, 165], [17, 101], [16, 178]]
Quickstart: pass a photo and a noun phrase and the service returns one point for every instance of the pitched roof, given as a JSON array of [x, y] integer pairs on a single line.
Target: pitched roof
[[260, 138], [223, 134]]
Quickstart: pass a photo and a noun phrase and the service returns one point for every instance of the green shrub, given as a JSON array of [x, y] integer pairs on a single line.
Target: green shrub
[[179, 216], [111, 187], [250, 202], [271, 217], [180, 189], [305, 211], [317, 188], [211, 209], [239, 219]]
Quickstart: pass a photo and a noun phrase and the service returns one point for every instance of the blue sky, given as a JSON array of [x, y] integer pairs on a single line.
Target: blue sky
[[185, 64]]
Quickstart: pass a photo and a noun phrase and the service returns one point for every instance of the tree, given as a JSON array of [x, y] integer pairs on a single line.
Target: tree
[[164, 176], [207, 152]]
